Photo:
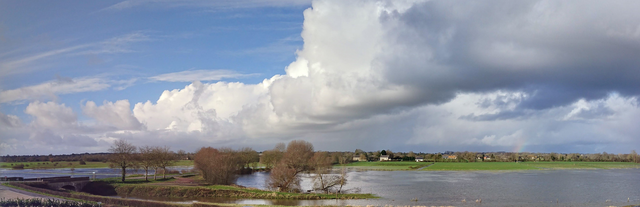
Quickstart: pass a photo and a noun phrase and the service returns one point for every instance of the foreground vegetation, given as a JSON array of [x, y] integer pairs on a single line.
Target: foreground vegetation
[[195, 186], [170, 191], [87, 198], [43, 202], [471, 166]]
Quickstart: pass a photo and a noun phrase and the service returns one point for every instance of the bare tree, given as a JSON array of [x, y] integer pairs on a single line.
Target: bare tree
[[342, 180], [411, 154], [164, 158], [181, 155], [218, 166], [146, 159], [294, 161], [122, 156], [283, 178], [271, 157], [248, 156], [323, 180]]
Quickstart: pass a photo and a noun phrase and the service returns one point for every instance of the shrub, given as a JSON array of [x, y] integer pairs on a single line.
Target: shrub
[[82, 162], [20, 166]]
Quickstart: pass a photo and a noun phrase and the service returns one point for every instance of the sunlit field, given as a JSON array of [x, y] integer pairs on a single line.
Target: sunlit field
[[405, 165]]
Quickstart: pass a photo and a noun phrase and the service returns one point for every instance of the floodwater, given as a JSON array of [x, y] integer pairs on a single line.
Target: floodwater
[[496, 188], [513, 188], [78, 172]]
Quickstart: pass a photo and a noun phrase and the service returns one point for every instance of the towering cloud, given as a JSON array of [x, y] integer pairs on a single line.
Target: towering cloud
[[424, 75]]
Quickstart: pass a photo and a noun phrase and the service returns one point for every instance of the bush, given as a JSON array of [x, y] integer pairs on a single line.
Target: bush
[[82, 162], [20, 166]]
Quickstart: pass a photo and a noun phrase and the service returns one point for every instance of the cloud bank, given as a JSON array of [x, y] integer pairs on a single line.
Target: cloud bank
[[411, 75]]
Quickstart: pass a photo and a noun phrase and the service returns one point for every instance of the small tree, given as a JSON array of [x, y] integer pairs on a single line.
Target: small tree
[[122, 156], [247, 157], [323, 180], [218, 166], [284, 176], [164, 159], [271, 157], [147, 159]]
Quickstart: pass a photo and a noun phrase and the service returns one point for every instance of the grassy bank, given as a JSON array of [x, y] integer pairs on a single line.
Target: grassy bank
[[472, 166], [194, 186], [168, 191], [385, 166], [75, 164]]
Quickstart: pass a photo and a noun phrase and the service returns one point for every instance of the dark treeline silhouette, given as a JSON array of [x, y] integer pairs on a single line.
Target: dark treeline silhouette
[[87, 157]]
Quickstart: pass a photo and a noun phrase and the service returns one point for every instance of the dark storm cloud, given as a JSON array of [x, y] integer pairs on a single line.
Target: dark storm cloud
[[558, 51]]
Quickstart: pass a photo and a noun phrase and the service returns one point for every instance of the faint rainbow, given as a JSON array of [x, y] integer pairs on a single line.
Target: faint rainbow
[[519, 147]]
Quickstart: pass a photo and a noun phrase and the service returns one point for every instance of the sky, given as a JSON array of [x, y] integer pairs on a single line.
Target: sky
[[405, 75]]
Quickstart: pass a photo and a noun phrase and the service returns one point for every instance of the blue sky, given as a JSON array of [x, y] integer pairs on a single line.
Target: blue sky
[[131, 45], [426, 76]]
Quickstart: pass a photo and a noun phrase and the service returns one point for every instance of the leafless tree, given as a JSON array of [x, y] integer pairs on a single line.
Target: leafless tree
[[122, 156], [218, 166], [164, 158], [363, 157], [323, 179], [283, 178], [294, 161], [181, 155], [248, 156], [271, 157], [146, 159], [411, 154]]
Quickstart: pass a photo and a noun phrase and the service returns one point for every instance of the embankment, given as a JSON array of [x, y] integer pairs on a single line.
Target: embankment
[[222, 191]]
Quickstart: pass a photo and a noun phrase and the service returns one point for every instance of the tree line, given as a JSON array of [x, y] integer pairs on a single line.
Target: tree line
[[286, 163], [467, 156], [124, 155], [87, 157]]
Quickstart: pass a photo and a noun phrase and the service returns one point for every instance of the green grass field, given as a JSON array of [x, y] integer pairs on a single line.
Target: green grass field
[[383, 166], [64, 164], [472, 166], [582, 165]]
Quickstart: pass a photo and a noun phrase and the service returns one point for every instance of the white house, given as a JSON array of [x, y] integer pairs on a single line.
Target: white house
[[419, 159], [384, 158]]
